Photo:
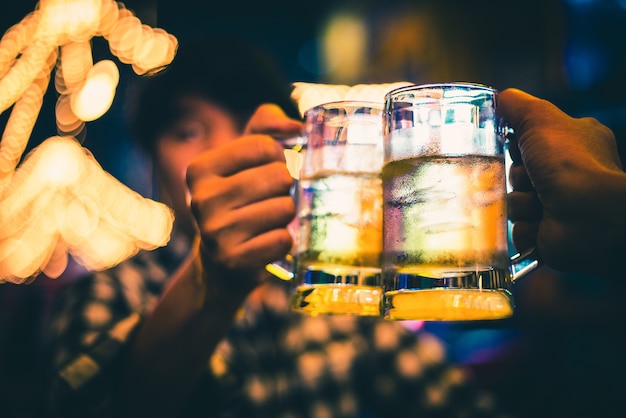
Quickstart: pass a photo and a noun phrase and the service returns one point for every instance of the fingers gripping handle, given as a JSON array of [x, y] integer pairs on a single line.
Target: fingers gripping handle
[[524, 263], [285, 269]]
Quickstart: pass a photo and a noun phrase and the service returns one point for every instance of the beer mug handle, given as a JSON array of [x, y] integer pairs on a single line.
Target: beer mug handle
[[284, 269], [527, 261], [524, 263]]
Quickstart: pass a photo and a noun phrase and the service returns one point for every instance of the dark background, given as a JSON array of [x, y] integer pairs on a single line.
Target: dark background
[[562, 354], [571, 52]]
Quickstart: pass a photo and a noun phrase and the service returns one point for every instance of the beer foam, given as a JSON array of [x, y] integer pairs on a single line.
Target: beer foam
[[309, 95]]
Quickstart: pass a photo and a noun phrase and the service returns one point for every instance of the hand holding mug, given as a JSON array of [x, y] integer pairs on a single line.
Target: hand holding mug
[[240, 199], [569, 187]]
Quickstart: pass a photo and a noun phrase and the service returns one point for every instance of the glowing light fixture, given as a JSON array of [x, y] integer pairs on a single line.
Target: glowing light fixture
[[60, 201]]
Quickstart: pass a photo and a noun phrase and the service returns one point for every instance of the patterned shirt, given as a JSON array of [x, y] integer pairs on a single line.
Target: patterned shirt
[[273, 363]]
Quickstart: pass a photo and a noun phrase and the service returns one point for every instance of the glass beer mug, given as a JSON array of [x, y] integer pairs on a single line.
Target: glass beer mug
[[339, 201], [445, 229]]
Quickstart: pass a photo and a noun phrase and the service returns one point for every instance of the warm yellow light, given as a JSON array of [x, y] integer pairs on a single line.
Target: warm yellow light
[[123, 37], [19, 127], [158, 49], [74, 20], [79, 221], [67, 121], [96, 96], [344, 47], [76, 62], [15, 40], [144, 47], [60, 163], [109, 14], [23, 72], [59, 201]]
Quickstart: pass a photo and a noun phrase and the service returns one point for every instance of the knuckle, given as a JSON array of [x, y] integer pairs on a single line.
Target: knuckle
[[602, 129], [266, 148]]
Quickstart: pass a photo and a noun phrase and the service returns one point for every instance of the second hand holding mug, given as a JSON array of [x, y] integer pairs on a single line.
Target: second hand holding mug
[[445, 228], [339, 201]]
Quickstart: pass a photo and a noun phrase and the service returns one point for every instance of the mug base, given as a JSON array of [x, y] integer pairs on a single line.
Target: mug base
[[447, 304], [338, 290], [337, 299]]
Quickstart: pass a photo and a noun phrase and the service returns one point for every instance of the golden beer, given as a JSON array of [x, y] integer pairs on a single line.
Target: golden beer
[[340, 224], [446, 254]]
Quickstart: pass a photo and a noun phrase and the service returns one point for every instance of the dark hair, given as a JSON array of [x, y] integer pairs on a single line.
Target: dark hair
[[231, 72]]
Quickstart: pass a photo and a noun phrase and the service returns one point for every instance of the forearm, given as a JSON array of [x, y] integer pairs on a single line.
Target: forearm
[[173, 346]]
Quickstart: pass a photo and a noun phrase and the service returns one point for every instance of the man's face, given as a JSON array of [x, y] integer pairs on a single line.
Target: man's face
[[203, 126]]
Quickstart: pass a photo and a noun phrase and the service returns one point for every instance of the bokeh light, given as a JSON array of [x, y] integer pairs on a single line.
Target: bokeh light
[[59, 201], [96, 95], [344, 46]]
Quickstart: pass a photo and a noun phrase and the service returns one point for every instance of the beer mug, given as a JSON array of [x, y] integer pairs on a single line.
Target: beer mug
[[339, 201], [445, 229]]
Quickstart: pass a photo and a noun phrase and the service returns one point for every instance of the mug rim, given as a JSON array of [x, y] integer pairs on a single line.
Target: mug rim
[[444, 85], [342, 103]]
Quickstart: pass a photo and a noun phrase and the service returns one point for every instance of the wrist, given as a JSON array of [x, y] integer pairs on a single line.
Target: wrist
[[211, 282]]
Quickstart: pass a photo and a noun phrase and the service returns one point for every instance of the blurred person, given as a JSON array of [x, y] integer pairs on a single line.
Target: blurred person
[[199, 328]]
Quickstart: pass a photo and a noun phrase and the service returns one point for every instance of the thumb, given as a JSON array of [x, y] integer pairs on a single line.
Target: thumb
[[514, 106]]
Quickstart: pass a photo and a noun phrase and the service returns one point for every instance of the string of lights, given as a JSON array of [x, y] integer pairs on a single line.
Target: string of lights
[[59, 201]]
